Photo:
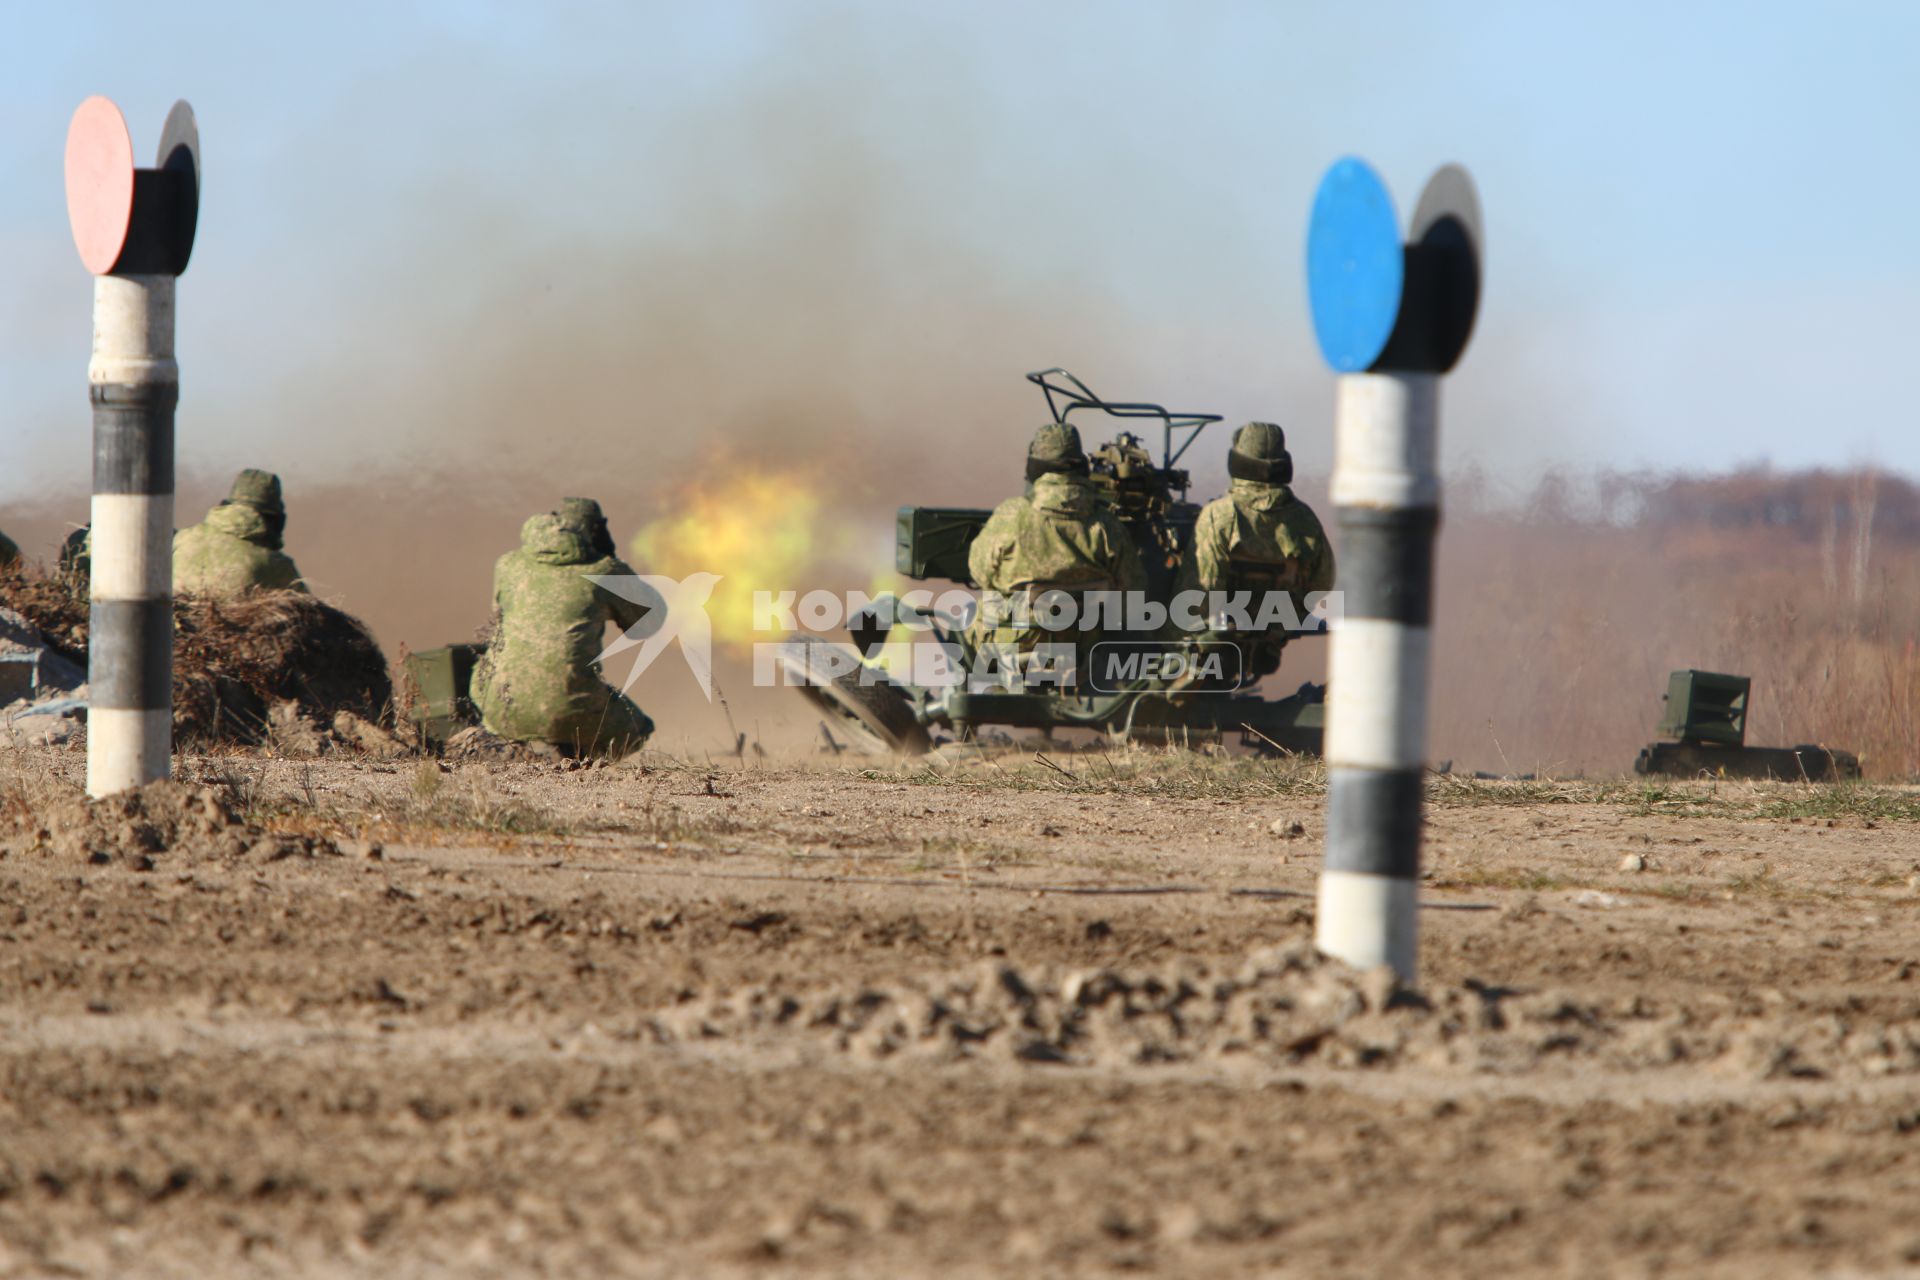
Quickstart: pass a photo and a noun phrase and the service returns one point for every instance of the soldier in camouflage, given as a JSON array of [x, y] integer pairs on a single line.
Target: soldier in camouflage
[[1057, 537], [76, 555], [1260, 538], [537, 681], [237, 547]]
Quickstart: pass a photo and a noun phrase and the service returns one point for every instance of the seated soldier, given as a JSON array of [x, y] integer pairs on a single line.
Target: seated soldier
[[1259, 538], [237, 547], [1055, 538], [537, 681], [76, 555]]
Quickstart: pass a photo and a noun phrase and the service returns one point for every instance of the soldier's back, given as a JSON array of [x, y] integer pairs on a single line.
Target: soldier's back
[[217, 558], [538, 673], [1055, 536]]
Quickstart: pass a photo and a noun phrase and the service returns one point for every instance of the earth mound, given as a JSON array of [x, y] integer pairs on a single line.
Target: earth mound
[[55, 605], [168, 821], [1293, 1007], [234, 660]]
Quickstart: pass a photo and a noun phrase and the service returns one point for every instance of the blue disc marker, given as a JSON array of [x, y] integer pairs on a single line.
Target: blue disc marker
[[1355, 265]]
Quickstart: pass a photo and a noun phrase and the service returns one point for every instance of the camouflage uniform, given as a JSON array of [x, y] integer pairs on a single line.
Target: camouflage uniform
[[237, 547], [76, 555], [1056, 537], [1260, 538], [537, 680]]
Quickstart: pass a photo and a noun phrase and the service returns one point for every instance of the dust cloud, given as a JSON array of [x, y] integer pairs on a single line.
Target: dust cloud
[[795, 308]]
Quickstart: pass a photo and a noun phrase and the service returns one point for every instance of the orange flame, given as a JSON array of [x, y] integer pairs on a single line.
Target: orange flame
[[760, 530]]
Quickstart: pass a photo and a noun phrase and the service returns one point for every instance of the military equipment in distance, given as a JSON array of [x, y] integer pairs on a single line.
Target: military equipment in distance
[[1707, 716]]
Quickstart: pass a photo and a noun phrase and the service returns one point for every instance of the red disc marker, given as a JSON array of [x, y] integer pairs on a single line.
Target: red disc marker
[[99, 183]]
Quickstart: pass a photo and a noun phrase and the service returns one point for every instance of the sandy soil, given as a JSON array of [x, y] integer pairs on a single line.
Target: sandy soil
[[981, 1017]]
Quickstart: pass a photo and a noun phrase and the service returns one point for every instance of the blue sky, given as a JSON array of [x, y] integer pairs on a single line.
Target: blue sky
[[502, 235]]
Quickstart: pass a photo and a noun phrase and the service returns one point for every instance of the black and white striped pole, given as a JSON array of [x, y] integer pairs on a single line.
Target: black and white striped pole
[[134, 229], [1391, 318]]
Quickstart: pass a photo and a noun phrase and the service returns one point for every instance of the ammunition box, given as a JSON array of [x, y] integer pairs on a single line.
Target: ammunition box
[[443, 681], [1705, 706], [932, 542]]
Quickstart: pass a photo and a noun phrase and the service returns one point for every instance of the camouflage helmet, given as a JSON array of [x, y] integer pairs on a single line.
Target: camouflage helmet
[[1056, 449], [580, 513], [259, 490], [583, 516], [1260, 453]]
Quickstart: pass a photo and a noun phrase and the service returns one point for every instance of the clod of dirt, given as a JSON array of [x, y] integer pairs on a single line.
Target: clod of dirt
[[1287, 1006], [1633, 862], [166, 819], [291, 733], [475, 743], [367, 737], [1287, 829]]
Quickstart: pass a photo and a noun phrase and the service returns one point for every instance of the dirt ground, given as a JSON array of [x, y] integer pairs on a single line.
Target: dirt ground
[[1002, 1015]]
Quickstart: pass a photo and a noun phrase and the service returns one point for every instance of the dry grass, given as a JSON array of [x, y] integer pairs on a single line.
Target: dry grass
[[438, 803], [1211, 775], [31, 781], [233, 659], [1555, 636], [1163, 772], [56, 607]]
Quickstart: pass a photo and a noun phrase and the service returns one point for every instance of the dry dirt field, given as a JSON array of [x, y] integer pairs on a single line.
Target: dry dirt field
[[1004, 1015]]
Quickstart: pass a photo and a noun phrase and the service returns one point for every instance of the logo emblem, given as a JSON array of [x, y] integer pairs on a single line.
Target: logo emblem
[[675, 609]]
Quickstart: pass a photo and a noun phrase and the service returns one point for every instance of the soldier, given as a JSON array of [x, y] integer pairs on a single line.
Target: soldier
[[1260, 538], [76, 555], [537, 682], [237, 547], [1127, 483], [1055, 538]]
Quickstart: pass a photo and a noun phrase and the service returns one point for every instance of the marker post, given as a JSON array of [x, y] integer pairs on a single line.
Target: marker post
[[1391, 318], [134, 230]]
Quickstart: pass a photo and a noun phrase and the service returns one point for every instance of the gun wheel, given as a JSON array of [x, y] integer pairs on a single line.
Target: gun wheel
[[861, 705]]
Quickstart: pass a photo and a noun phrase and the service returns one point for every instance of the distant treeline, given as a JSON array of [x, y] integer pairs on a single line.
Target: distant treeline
[[1813, 506]]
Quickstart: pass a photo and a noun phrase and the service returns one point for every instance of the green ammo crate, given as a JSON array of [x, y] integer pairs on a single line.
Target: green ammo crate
[[932, 542], [1706, 706], [443, 679]]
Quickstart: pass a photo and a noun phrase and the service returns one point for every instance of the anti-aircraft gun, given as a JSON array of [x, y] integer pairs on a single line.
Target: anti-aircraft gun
[[879, 702], [1149, 499]]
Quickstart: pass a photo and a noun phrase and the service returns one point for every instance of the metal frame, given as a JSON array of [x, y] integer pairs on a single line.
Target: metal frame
[[1063, 400]]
